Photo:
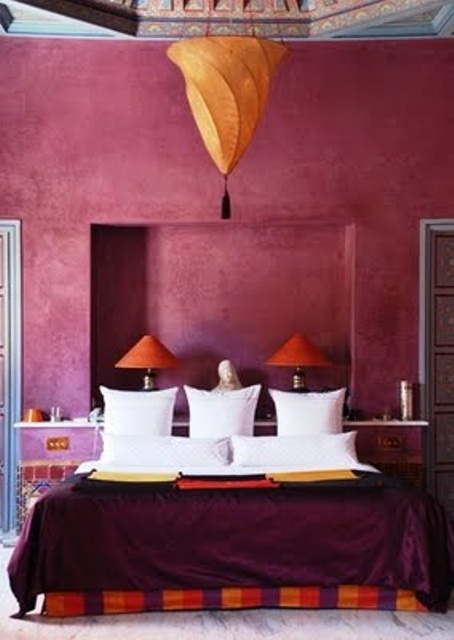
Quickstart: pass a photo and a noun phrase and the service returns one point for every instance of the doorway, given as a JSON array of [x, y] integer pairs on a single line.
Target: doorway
[[437, 355], [10, 368]]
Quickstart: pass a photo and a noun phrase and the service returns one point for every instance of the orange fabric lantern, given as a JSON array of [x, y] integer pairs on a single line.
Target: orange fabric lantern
[[227, 82]]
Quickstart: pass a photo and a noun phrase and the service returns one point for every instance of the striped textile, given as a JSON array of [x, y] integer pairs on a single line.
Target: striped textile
[[64, 604], [258, 483]]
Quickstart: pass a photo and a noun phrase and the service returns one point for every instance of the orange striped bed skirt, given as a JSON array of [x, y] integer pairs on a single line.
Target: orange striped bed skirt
[[65, 604]]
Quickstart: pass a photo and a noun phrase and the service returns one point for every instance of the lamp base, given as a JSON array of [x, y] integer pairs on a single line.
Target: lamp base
[[299, 381], [149, 381]]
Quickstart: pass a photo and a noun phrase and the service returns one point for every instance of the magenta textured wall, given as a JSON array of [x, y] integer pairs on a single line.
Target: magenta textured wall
[[355, 148], [214, 291]]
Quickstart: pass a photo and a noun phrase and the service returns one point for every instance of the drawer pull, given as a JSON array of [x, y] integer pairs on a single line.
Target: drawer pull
[[57, 444], [390, 443]]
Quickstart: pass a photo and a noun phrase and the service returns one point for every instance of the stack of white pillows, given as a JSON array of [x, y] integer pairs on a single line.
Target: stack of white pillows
[[138, 427]]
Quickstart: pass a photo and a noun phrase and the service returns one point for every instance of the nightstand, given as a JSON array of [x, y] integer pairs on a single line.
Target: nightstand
[[47, 452], [395, 447]]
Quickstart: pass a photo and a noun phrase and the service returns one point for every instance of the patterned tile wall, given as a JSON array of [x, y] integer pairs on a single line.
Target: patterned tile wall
[[34, 478]]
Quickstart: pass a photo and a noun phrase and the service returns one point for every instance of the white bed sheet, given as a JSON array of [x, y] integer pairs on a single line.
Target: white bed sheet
[[221, 470]]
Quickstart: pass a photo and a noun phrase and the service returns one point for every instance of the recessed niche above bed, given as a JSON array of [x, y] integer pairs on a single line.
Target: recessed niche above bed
[[214, 291]]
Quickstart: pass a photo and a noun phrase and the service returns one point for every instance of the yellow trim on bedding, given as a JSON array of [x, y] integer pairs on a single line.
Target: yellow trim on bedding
[[312, 476], [123, 476]]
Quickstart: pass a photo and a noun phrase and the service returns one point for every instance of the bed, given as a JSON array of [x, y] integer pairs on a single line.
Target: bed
[[277, 521]]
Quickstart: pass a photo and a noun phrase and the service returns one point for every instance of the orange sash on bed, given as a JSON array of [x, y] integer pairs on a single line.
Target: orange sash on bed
[[251, 483]]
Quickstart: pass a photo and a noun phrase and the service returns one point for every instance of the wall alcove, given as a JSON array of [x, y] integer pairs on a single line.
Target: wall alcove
[[211, 291]]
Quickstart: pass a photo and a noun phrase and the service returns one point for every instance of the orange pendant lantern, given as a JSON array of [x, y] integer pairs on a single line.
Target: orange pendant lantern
[[227, 83]]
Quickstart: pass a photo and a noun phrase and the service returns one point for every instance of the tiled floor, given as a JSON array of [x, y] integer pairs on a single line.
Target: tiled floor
[[225, 625]]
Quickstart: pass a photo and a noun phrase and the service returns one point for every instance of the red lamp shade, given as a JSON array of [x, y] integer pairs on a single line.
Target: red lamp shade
[[298, 351], [148, 353]]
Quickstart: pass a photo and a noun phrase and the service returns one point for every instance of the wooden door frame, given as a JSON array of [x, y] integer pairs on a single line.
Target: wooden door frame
[[12, 269], [427, 227]]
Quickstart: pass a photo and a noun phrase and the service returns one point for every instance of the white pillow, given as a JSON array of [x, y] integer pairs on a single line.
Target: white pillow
[[306, 413], [222, 413], [164, 451], [305, 453], [139, 412]]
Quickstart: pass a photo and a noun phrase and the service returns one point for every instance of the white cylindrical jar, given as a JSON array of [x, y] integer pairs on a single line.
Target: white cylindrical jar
[[406, 400]]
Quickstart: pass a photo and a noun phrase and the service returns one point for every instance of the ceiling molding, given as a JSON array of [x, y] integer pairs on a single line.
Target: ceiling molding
[[279, 19]]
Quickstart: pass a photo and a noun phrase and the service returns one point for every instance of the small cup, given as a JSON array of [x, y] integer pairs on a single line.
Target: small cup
[[55, 415], [33, 415]]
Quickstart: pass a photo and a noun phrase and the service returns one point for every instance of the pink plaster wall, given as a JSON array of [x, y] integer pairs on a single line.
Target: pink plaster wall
[[213, 291], [356, 142]]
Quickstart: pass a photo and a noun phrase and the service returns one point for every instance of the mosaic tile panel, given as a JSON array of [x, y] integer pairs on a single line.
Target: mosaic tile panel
[[414, 472], [34, 479]]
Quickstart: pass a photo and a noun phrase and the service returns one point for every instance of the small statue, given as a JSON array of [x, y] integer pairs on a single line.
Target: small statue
[[228, 377]]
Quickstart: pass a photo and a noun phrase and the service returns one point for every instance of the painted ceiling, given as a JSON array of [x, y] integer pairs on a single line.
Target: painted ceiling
[[279, 19]]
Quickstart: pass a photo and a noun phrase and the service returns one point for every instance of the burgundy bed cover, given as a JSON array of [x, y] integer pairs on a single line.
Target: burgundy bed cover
[[88, 536]]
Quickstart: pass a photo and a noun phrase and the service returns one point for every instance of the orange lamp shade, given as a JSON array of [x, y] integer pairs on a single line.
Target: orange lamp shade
[[148, 353], [299, 351]]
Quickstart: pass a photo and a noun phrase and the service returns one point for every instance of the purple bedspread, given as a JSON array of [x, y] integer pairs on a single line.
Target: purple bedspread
[[157, 537]]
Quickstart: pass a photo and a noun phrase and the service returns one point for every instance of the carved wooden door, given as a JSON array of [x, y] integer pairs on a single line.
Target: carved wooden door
[[437, 355]]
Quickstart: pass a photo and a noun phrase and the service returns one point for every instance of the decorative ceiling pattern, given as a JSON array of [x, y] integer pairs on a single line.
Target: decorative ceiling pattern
[[278, 19]]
